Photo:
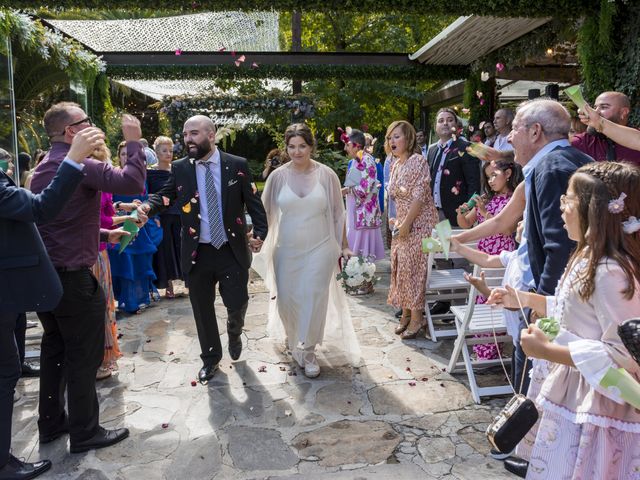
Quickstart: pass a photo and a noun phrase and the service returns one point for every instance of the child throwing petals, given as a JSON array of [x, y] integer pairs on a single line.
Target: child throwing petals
[[585, 430]]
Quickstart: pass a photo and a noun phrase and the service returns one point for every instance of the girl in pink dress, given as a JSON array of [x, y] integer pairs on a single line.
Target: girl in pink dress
[[498, 183], [586, 431]]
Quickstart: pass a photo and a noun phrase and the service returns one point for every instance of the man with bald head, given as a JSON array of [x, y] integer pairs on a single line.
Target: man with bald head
[[615, 107], [213, 188]]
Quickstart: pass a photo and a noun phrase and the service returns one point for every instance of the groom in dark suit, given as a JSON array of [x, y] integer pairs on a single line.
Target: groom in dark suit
[[213, 188], [28, 281]]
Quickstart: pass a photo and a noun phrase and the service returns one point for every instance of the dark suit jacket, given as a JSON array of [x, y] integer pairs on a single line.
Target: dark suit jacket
[[548, 245], [28, 281], [237, 192], [463, 174]]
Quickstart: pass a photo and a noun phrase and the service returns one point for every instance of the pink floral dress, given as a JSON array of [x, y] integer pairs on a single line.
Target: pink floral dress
[[493, 245], [363, 211]]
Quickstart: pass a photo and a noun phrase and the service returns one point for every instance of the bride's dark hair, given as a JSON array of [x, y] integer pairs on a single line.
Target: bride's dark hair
[[300, 130]]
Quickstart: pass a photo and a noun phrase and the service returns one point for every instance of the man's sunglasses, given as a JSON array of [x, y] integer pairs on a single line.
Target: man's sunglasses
[[74, 124]]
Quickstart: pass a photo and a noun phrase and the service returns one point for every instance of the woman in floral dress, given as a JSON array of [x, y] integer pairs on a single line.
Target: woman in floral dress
[[415, 218], [363, 207]]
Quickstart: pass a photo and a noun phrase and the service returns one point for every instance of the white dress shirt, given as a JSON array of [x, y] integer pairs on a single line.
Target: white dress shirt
[[501, 143], [205, 233]]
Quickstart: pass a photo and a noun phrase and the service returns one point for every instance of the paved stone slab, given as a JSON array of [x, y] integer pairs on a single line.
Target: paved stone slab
[[436, 449], [252, 424], [199, 458], [421, 398], [348, 442], [259, 449], [379, 472], [339, 398]]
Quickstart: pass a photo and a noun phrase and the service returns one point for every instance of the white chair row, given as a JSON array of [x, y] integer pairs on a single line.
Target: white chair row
[[469, 319]]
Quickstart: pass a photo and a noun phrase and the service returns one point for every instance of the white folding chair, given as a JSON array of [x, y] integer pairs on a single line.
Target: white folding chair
[[446, 285], [472, 319]]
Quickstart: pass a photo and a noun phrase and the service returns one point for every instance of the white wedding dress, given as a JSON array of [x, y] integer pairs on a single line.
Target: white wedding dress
[[299, 262]]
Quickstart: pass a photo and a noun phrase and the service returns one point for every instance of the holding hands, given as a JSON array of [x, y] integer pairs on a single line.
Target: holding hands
[[255, 243]]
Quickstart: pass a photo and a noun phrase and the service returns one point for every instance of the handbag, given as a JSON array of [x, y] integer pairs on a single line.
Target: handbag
[[629, 332], [518, 416]]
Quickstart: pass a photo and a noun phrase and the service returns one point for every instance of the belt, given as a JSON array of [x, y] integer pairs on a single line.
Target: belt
[[70, 269]]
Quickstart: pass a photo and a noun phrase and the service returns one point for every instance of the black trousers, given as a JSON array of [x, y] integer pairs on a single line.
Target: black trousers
[[71, 352], [21, 335], [9, 375], [217, 266]]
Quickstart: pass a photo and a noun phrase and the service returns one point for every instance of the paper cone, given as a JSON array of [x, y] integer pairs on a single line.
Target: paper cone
[[575, 94]]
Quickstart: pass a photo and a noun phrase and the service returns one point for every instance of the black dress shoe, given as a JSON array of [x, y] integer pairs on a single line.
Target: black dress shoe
[[29, 370], [517, 466], [438, 308], [206, 373], [398, 314], [50, 437], [235, 346], [103, 438], [17, 470]]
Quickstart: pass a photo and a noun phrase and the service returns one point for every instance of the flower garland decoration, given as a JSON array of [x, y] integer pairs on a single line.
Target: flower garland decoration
[[179, 108], [60, 52]]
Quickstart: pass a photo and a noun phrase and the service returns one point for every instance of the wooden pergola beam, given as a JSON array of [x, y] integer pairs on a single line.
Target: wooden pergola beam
[[546, 73], [261, 58]]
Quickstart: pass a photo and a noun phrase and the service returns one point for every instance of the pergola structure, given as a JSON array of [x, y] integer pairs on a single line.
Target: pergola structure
[[169, 56]]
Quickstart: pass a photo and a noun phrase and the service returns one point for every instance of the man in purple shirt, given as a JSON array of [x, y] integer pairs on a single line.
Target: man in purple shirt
[[615, 107], [73, 340]]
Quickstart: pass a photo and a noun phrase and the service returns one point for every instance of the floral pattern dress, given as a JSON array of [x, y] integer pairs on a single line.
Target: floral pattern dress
[[363, 211], [493, 245], [410, 181]]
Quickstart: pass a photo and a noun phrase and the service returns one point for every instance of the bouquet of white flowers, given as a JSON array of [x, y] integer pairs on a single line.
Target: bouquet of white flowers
[[358, 275]]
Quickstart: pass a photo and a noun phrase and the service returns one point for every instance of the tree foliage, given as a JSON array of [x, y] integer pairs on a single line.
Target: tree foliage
[[368, 102]]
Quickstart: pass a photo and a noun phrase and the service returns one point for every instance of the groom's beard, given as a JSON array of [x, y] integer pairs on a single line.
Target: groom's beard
[[199, 150]]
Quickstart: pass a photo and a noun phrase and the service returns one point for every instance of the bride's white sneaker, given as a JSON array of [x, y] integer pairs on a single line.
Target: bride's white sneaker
[[307, 361]]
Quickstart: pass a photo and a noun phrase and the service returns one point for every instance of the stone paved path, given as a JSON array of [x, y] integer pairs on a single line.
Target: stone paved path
[[399, 416]]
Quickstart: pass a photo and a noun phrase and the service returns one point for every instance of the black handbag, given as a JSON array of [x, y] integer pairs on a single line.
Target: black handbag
[[517, 417], [629, 332], [512, 423]]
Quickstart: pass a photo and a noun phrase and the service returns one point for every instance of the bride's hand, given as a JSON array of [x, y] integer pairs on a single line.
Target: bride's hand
[[347, 253]]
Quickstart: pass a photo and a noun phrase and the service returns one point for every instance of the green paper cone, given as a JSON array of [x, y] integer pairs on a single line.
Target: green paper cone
[[431, 244], [443, 230], [133, 230], [575, 94], [478, 150], [627, 386]]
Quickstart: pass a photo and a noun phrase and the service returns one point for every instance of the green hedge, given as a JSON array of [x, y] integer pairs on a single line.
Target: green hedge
[[523, 8]]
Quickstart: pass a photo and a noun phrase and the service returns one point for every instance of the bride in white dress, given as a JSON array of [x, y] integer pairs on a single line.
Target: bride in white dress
[[299, 259]]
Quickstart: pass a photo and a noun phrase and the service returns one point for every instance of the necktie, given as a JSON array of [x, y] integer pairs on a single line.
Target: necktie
[[216, 227], [438, 160]]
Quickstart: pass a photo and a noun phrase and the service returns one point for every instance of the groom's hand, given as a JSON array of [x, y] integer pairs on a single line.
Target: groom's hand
[[255, 244]]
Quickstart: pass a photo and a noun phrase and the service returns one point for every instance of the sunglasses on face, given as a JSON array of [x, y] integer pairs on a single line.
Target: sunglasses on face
[[75, 124]]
